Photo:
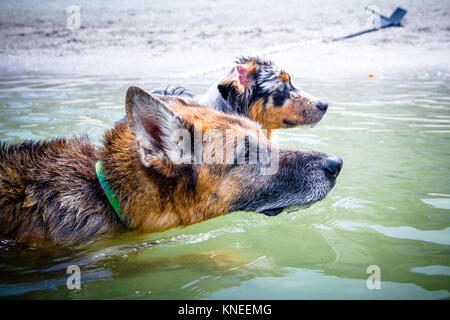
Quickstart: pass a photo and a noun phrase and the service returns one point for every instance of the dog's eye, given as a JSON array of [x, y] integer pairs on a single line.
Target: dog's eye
[[283, 91]]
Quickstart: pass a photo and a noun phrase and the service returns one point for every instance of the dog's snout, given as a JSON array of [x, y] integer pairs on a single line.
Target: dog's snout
[[332, 165], [322, 105]]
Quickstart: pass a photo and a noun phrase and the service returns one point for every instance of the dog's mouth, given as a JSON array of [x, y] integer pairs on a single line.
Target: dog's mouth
[[276, 211], [272, 212], [290, 123]]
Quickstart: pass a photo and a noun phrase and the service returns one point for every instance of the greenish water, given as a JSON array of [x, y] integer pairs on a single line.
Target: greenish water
[[390, 207]]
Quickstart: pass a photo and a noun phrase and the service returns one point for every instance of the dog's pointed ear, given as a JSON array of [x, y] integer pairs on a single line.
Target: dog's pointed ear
[[243, 73], [155, 127]]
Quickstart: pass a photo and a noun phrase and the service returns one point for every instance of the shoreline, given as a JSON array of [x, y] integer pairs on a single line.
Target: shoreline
[[179, 40]]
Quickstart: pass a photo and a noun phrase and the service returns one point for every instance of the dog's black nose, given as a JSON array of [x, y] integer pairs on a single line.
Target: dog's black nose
[[332, 165], [322, 105]]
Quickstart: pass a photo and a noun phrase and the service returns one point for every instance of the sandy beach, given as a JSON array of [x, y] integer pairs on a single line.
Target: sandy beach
[[183, 39]]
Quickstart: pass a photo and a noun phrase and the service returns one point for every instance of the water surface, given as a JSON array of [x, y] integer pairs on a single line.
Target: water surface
[[390, 207]]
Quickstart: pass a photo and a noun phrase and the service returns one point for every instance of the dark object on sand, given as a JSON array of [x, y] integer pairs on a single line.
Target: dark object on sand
[[392, 21]]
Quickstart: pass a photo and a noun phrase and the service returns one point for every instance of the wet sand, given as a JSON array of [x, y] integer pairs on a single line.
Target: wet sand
[[182, 39]]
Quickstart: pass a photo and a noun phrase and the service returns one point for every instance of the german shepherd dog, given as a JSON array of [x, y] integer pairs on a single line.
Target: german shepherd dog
[[257, 89], [66, 190]]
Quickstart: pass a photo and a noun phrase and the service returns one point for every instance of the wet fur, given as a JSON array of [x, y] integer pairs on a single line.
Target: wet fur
[[49, 190]]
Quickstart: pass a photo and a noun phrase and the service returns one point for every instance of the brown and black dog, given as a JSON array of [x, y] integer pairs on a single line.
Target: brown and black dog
[[256, 88], [50, 190]]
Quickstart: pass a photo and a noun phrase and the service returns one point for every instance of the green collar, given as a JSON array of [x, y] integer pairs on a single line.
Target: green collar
[[108, 192]]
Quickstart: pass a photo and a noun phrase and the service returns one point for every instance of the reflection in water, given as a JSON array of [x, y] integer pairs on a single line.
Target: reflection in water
[[389, 208]]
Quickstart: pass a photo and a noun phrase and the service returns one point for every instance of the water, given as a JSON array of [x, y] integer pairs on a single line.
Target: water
[[390, 207]]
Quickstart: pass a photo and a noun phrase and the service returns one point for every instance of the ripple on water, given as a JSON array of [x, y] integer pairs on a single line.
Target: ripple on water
[[440, 203], [352, 202], [410, 233], [433, 270]]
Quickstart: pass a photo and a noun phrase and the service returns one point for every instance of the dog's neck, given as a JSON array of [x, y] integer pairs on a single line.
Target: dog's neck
[[147, 197]]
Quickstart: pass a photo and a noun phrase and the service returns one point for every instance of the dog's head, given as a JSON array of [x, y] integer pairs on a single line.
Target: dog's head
[[256, 88], [218, 163]]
